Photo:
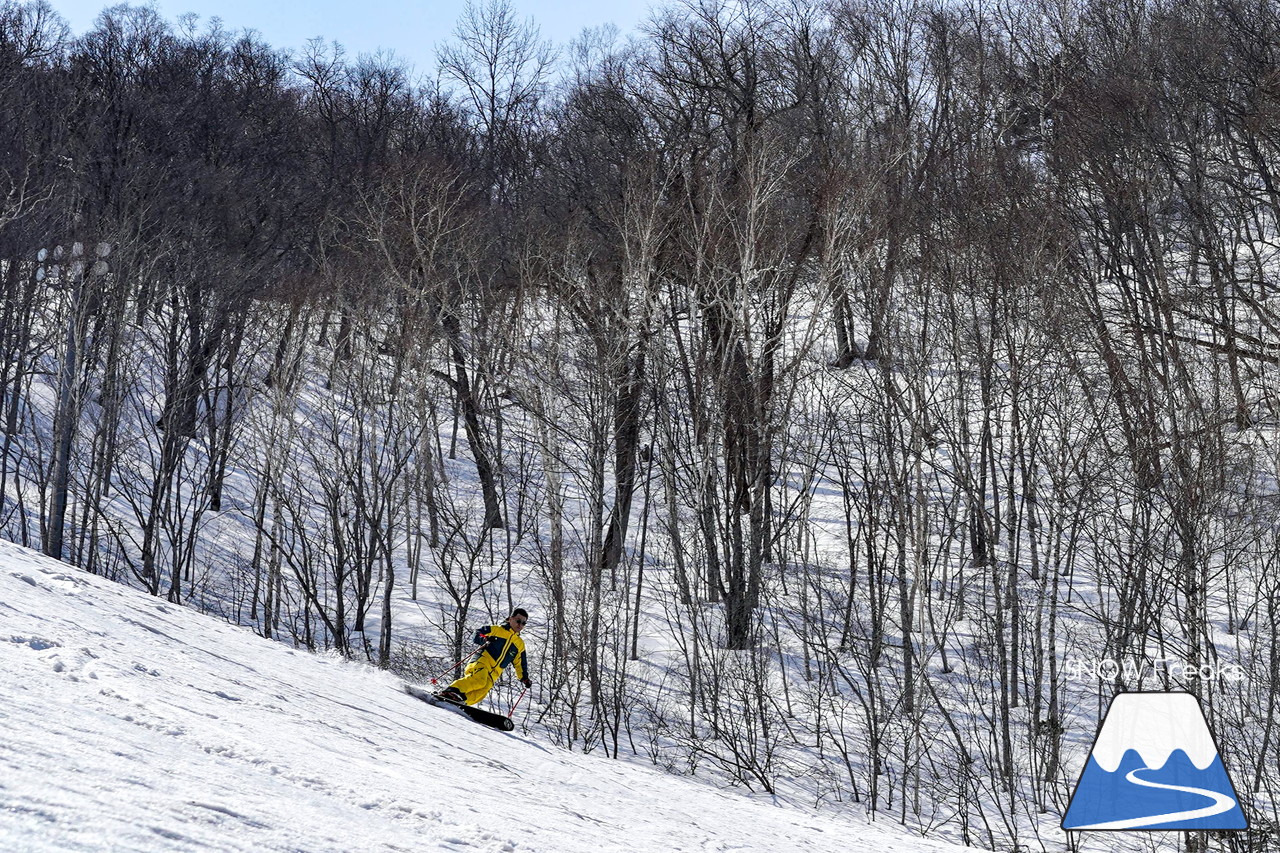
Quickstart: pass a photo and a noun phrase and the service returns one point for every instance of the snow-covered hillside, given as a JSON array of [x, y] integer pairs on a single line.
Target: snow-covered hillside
[[132, 724]]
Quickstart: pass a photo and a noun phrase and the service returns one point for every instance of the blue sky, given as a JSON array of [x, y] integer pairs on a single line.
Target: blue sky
[[410, 28]]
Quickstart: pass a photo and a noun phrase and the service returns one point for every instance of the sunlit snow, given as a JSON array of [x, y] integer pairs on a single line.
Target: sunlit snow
[[133, 724]]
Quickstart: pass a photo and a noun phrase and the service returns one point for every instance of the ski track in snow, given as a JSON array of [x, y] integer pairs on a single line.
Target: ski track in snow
[[133, 724]]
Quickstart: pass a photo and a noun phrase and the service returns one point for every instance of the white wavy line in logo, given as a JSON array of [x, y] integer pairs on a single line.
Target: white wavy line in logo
[[1221, 803]]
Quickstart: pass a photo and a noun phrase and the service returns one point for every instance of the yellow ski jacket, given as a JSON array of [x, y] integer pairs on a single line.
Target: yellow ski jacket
[[504, 646]]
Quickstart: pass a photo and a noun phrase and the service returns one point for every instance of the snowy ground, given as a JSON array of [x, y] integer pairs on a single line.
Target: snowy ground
[[131, 724]]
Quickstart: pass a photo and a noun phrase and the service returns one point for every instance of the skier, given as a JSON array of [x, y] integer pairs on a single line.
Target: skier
[[502, 647]]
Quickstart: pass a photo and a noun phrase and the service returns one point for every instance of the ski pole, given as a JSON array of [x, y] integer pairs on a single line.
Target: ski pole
[[435, 678], [517, 704]]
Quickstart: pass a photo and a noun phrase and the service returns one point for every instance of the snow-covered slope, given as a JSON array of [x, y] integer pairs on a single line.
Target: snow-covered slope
[[132, 724]]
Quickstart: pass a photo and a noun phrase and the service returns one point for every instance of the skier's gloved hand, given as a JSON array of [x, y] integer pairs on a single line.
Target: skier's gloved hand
[[527, 681]]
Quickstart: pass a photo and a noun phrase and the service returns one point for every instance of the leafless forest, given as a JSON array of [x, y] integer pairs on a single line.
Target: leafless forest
[[826, 378]]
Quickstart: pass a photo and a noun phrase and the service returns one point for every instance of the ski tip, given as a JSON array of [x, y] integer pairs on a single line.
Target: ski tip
[[508, 726]]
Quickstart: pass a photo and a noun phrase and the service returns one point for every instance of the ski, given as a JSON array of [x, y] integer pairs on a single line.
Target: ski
[[479, 715]]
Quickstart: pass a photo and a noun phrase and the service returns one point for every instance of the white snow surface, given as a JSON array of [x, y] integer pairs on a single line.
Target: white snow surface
[[1154, 724], [132, 724]]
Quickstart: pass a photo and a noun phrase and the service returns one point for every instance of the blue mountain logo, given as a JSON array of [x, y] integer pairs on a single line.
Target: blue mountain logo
[[1154, 766]]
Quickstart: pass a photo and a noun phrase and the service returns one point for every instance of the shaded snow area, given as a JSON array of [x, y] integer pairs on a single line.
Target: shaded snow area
[[132, 724]]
